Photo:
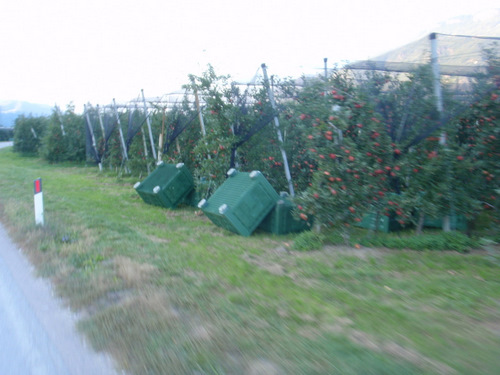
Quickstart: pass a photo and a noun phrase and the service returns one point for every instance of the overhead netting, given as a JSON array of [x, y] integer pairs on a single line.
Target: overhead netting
[[461, 61], [458, 55], [99, 128]]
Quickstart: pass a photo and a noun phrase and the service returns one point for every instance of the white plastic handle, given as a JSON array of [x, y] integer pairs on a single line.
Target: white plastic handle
[[223, 208], [254, 174]]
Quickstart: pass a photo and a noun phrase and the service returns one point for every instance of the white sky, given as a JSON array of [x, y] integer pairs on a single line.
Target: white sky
[[62, 51]]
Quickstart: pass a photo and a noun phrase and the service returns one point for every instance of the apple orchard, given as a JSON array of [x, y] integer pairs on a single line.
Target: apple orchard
[[376, 145]]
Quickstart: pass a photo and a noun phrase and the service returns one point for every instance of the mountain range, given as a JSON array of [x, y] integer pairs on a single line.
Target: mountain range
[[11, 109], [454, 45]]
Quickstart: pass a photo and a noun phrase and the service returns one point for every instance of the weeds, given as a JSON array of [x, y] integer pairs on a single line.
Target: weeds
[[431, 240], [309, 240]]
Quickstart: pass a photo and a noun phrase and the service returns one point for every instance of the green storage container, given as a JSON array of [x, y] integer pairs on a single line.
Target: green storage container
[[385, 224], [281, 221], [457, 222], [241, 202], [167, 186]]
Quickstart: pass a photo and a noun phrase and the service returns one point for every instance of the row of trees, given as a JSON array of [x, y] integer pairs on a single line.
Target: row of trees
[[398, 156], [6, 134], [353, 147], [43, 136]]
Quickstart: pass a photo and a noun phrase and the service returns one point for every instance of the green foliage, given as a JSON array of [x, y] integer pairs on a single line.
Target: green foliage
[[375, 147], [182, 123], [68, 146], [438, 241], [212, 151], [351, 158], [308, 240], [28, 134], [6, 134], [477, 137], [85, 261], [239, 132]]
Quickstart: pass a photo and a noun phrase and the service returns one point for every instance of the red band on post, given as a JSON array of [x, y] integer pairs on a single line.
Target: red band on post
[[38, 185]]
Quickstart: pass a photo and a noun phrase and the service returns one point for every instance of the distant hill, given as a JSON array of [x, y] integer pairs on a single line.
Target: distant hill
[[11, 109], [452, 50]]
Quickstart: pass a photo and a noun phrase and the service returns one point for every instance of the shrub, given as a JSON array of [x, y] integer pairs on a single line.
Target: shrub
[[309, 240], [6, 134], [28, 134], [70, 146], [432, 241]]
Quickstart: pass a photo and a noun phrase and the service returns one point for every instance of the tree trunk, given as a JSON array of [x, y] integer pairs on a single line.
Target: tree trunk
[[420, 224], [377, 220], [446, 223]]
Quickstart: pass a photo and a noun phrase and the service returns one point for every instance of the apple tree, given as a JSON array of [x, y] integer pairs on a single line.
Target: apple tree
[[350, 155]]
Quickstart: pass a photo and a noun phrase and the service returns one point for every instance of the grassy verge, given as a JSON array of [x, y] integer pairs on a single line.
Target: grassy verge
[[165, 291]]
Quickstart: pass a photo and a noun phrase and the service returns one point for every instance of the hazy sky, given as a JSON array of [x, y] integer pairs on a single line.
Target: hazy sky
[[58, 51]]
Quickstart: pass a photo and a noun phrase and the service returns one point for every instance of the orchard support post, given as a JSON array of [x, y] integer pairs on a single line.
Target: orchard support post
[[278, 131], [439, 105], [148, 121], [101, 123], [59, 115], [94, 145], [200, 115], [122, 140], [436, 73], [162, 135], [146, 155]]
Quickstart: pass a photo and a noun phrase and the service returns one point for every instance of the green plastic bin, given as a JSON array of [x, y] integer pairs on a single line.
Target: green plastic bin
[[281, 220], [167, 186], [457, 222], [241, 202], [385, 224]]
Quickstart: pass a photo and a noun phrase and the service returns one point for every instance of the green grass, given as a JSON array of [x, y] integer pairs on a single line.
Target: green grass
[[432, 239], [165, 291]]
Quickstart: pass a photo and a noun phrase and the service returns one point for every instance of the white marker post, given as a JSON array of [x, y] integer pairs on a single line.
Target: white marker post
[[38, 201]]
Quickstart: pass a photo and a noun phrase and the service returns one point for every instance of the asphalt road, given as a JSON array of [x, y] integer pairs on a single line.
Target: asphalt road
[[37, 333]]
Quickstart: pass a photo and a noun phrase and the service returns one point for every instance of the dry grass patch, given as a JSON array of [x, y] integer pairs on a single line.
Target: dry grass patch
[[151, 299], [134, 274], [265, 264]]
